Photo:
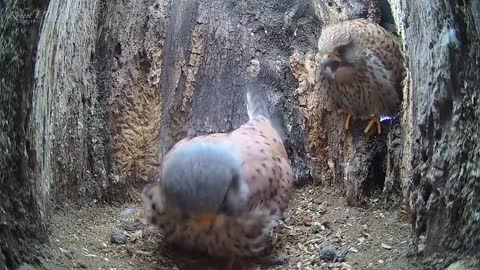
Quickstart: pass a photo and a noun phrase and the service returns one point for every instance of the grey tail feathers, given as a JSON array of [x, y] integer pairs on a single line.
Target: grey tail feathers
[[256, 104]]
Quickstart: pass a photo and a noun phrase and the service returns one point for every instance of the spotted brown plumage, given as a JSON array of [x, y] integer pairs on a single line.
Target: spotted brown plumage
[[223, 193], [361, 67]]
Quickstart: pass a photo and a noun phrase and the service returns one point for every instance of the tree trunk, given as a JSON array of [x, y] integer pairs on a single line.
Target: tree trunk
[[442, 153], [23, 215], [123, 82], [117, 83]]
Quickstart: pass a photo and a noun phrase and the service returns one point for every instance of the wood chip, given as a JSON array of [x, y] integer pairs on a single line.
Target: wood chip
[[307, 221], [315, 240], [385, 246], [91, 255]]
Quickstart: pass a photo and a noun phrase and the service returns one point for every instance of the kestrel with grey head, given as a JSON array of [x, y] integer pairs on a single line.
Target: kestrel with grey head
[[223, 193]]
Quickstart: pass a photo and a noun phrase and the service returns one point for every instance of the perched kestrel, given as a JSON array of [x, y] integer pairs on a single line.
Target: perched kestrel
[[361, 66], [223, 193]]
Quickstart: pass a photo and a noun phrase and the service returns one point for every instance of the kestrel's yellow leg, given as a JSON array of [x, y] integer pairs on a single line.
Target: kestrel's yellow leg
[[349, 117], [374, 120]]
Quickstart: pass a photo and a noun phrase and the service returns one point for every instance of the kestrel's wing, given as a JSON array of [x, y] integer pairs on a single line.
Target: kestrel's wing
[[266, 168], [381, 49]]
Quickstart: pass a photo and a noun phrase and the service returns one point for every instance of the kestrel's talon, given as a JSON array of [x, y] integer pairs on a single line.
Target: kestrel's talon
[[374, 120], [347, 121], [349, 117]]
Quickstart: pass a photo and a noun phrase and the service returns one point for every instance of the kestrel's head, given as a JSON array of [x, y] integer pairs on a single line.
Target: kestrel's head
[[202, 180], [337, 52]]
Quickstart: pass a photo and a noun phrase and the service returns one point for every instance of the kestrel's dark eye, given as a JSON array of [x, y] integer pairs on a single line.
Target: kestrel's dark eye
[[235, 180], [234, 185], [341, 50]]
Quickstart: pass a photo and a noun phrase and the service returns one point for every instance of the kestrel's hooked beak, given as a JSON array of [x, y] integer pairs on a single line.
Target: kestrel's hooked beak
[[328, 66], [205, 221]]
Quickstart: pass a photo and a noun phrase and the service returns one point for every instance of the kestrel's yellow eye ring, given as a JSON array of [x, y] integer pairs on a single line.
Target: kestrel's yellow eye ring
[[331, 56]]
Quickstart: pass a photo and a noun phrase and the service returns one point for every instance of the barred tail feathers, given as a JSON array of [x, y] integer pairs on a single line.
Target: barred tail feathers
[[256, 104]]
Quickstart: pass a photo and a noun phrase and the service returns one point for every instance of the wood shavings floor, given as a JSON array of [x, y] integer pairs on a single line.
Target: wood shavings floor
[[371, 238]]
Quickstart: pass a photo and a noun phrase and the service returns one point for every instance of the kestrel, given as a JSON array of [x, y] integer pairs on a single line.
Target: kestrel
[[223, 193], [361, 66]]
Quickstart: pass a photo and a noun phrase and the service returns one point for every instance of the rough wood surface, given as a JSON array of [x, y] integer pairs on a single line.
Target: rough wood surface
[[68, 120], [146, 74], [22, 212], [117, 83], [441, 42]]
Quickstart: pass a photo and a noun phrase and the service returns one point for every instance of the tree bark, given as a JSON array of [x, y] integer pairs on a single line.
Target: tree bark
[[441, 124], [117, 83], [23, 214]]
